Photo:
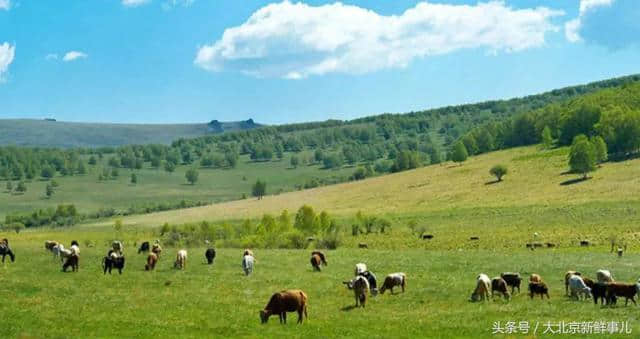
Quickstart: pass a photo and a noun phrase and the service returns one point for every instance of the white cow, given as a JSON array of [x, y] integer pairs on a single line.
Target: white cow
[[360, 268], [604, 276], [247, 264], [181, 260], [578, 287], [483, 288]]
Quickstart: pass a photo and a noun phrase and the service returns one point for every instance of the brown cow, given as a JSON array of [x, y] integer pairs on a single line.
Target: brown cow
[[283, 302], [316, 262], [323, 258], [392, 280], [616, 289], [152, 259], [538, 288], [498, 284], [535, 278]]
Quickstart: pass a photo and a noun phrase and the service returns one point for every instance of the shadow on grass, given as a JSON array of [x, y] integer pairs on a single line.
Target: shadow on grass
[[492, 182], [573, 181], [348, 308]]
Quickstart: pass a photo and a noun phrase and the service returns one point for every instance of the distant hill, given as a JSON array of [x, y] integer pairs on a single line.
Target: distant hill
[[51, 133]]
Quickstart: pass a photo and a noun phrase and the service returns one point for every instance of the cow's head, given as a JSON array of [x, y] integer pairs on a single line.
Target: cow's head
[[264, 316]]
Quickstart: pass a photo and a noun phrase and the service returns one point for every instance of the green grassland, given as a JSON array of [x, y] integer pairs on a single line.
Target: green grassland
[[452, 202], [158, 186]]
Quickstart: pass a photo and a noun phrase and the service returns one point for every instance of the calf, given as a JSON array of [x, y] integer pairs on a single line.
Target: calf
[[535, 278], [181, 260], [283, 302], [538, 288], [247, 264], [113, 260], [6, 250], [210, 254], [500, 285], [152, 260], [316, 262], [628, 291], [566, 280], [360, 289], [392, 280], [512, 279], [578, 287], [144, 247], [483, 285]]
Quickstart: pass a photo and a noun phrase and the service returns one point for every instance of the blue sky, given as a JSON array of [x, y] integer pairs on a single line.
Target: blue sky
[[172, 61]]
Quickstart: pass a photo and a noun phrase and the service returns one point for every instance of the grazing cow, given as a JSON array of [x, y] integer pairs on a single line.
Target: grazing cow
[[316, 262], [72, 261], [210, 254], [578, 287], [323, 257], [483, 286], [362, 245], [628, 291], [392, 280], [50, 244], [360, 286], [113, 260], [360, 268], [117, 247], [512, 279], [181, 260], [247, 264], [598, 291], [283, 302], [144, 247], [538, 288], [567, 276], [500, 285], [6, 250], [535, 278], [604, 276], [152, 260], [156, 248]]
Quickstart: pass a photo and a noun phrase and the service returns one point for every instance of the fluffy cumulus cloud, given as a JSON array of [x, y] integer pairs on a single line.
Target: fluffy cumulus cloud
[[133, 3], [5, 5], [7, 53], [73, 55], [614, 24], [296, 40]]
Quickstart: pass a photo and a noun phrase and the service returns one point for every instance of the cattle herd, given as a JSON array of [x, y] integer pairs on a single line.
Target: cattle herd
[[603, 289]]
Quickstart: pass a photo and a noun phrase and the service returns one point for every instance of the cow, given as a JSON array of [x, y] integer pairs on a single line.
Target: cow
[[512, 279], [566, 280], [72, 261], [323, 258], [392, 280], [247, 264], [360, 287], [156, 248], [535, 278], [598, 291], [538, 288], [6, 250], [181, 260], [210, 254], [360, 268], [604, 276], [483, 288], [628, 291], [117, 247], [578, 287], [144, 247], [152, 260], [113, 260], [316, 262], [50, 244], [500, 285], [283, 302]]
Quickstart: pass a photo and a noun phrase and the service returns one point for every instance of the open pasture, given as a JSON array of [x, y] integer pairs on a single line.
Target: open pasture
[[38, 300]]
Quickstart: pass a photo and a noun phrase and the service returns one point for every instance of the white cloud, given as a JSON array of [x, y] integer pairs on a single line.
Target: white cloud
[[295, 41], [7, 53], [5, 5], [169, 4], [51, 56], [134, 3], [572, 27], [74, 55]]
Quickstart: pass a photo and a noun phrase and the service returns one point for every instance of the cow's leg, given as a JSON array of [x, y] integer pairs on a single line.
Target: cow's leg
[[300, 316], [284, 317]]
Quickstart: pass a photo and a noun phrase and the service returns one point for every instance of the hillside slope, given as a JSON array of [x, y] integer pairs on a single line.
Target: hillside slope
[[536, 178], [47, 133]]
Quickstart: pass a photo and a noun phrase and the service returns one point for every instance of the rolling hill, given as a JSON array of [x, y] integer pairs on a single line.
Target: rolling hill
[[51, 133]]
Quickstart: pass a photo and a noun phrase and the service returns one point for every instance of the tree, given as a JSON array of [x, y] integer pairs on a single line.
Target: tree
[[16, 227], [600, 149], [191, 175], [134, 178], [259, 189], [54, 183], [470, 144], [498, 171], [22, 187], [49, 190], [114, 172], [294, 161], [306, 221], [81, 168], [9, 186], [169, 166], [459, 153], [92, 160], [547, 139], [231, 158], [582, 156], [359, 174], [47, 172]]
